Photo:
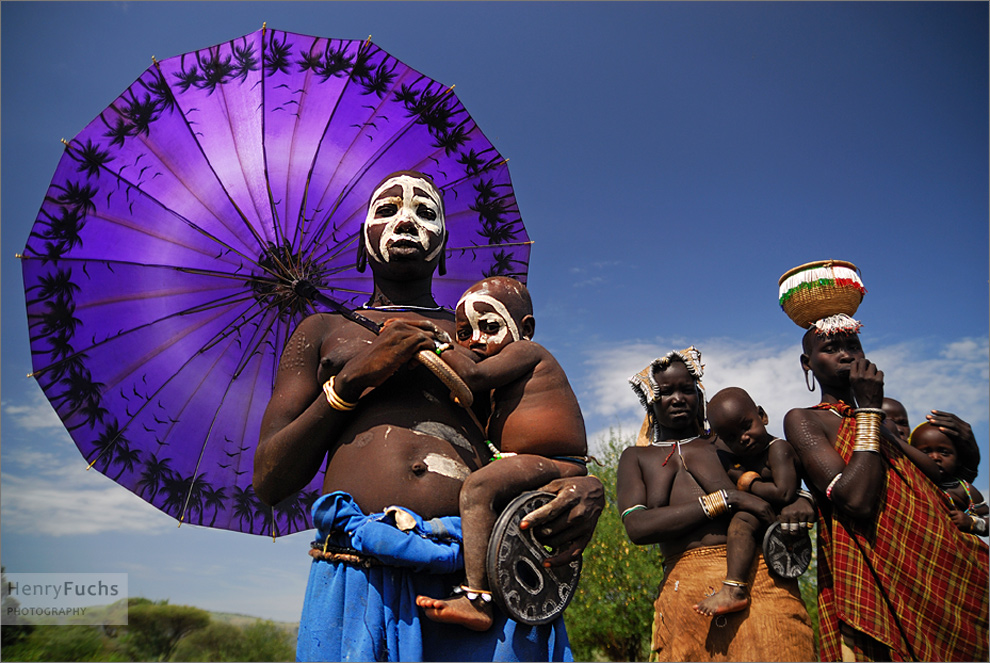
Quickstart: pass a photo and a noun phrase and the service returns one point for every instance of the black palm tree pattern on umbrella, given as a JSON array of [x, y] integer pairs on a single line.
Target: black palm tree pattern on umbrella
[[159, 273]]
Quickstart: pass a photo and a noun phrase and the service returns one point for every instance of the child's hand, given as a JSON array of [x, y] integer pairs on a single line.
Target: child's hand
[[798, 516], [961, 520], [740, 501], [734, 473]]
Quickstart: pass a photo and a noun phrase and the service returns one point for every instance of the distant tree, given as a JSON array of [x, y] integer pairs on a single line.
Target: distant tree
[[611, 616], [220, 641], [154, 628]]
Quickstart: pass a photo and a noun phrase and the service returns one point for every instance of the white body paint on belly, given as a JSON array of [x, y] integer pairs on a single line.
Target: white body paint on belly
[[446, 466]]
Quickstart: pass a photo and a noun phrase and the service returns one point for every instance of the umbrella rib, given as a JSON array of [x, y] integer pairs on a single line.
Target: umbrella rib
[[300, 225], [476, 247], [244, 220], [301, 215], [237, 151], [215, 304], [151, 396], [253, 343], [355, 178], [209, 431], [276, 225], [336, 248], [300, 222], [243, 278], [184, 220]]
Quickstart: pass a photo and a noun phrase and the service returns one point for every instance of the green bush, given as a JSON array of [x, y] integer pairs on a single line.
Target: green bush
[[60, 643], [154, 629], [260, 641]]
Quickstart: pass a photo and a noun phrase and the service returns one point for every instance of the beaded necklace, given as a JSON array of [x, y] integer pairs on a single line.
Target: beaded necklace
[[402, 308], [676, 446], [663, 444], [948, 485]]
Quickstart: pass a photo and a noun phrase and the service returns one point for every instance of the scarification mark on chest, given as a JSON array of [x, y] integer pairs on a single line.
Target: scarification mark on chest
[[292, 358]]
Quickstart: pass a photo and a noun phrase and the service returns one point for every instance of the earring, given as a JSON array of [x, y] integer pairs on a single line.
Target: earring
[[442, 266], [811, 385], [362, 255]]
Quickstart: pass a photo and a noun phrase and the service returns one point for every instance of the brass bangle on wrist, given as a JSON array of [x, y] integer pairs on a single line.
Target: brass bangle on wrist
[[714, 504], [335, 401], [745, 481], [868, 421]]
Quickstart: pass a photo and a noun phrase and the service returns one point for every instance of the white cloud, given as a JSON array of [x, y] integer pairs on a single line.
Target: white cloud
[[38, 414], [68, 500], [953, 377], [48, 490]]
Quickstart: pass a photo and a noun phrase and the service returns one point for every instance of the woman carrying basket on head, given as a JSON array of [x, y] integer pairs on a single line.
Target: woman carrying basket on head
[[896, 579]]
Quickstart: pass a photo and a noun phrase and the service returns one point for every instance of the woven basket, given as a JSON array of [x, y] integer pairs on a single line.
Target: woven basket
[[816, 291]]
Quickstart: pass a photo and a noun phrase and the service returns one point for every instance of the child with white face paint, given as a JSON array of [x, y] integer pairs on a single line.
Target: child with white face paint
[[535, 423]]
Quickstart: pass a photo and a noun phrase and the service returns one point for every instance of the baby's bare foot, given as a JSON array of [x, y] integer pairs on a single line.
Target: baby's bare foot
[[458, 609], [730, 598]]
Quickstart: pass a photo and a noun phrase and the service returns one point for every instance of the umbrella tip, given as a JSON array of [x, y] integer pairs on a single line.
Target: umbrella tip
[[64, 142], [264, 26]]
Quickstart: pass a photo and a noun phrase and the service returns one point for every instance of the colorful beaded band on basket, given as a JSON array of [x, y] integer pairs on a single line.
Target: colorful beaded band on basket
[[820, 289]]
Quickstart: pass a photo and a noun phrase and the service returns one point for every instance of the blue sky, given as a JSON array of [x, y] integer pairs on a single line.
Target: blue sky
[[670, 162]]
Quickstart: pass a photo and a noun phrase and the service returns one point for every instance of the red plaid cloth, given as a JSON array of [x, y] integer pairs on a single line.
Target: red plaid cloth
[[909, 580]]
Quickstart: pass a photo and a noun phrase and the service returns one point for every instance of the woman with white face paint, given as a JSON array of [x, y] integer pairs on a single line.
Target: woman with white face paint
[[388, 433], [536, 429]]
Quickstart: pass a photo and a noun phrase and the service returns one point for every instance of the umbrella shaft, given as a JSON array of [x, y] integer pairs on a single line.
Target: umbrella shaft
[[306, 289]]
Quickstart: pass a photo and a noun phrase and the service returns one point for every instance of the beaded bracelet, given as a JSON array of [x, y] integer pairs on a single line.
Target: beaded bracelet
[[336, 402], [831, 485], [979, 525], [632, 509]]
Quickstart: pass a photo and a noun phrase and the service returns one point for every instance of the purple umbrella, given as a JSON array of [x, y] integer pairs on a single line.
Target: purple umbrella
[[159, 273]]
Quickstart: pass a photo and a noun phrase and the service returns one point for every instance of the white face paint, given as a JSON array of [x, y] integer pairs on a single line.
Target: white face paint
[[418, 209], [481, 321]]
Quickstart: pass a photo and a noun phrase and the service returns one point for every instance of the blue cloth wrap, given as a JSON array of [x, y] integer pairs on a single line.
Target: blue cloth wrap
[[356, 614]]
